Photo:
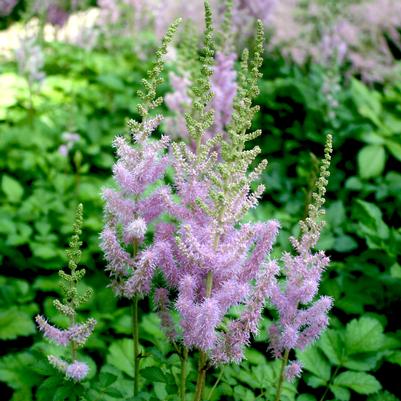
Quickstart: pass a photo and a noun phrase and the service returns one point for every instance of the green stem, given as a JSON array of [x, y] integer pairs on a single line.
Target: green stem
[[329, 383], [135, 335], [281, 377], [135, 331], [200, 383], [215, 384], [184, 359]]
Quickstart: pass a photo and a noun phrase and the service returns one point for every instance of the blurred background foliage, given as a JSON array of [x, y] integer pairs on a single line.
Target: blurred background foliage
[[43, 177]]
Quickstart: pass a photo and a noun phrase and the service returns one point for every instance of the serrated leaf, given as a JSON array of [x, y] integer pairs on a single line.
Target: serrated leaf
[[363, 335], [15, 370], [360, 382], [153, 374], [362, 362], [315, 362], [383, 396], [15, 323], [332, 345], [121, 356], [394, 357], [371, 161], [107, 379], [48, 386], [341, 393]]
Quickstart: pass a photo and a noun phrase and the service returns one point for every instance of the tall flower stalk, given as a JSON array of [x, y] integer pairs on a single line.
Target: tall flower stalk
[[76, 334], [302, 317], [211, 259], [131, 208]]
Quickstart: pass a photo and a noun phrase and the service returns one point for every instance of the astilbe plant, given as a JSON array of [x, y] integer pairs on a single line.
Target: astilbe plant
[[130, 208], [210, 259], [76, 335], [302, 317]]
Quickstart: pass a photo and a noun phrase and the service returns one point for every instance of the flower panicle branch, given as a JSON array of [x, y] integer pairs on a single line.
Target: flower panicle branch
[[76, 335]]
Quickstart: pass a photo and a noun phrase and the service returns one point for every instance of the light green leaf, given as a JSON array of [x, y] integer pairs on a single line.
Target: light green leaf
[[332, 344], [306, 397], [395, 357], [315, 362], [345, 243], [368, 102], [360, 382], [363, 335], [15, 370], [341, 393], [335, 214], [395, 270], [12, 188], [362, 362], [395, 149], [370, 219], [15, 323], [383, 396], [371, 161], [121, 356]]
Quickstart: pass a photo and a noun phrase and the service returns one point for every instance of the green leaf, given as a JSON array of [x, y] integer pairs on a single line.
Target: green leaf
[[107, 379], [15, 370], [335, 214], [121, 356], [254, 357], [153, 374], [15, 323], [370, 219], [315, 362], [362, 362], [306, 397], [48, 386], [383, 396], [371, 161], [341, 393], [368, 102], [12, 188], [394, 357], [363, 335], [344, 243], [331, 343], [360, 382], [395, 149]]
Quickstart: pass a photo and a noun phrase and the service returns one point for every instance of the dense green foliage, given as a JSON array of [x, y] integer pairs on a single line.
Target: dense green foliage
[[92, 94]]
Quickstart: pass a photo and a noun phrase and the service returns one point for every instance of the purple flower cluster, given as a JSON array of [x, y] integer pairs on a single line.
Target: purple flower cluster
[[224, 88], [76, 371], [209, 257], [129, 211], [302, 317], [76, 335]]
